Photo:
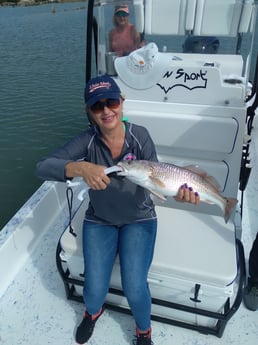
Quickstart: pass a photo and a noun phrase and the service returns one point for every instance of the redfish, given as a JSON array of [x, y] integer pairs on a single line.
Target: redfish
[[164, 179]]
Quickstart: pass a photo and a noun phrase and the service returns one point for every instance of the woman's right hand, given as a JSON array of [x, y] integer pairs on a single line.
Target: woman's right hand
[[93, 174]]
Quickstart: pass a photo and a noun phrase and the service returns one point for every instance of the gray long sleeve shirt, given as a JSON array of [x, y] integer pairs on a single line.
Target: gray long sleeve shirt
[[122, 202]]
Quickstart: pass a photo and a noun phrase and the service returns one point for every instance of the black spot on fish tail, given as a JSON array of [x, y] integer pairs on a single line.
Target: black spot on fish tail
[[230, 204]]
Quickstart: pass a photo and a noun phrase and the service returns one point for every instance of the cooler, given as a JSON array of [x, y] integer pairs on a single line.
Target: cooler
[[196, 276]]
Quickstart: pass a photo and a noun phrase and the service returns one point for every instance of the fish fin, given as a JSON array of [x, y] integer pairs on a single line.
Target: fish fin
[[230, 204], [210, 179], [160, 196], [157, 181], [213, 182], [195, 169]]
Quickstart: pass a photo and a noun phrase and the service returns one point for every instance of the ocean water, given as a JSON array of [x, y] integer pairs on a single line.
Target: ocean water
[[42, 73], [42, 76]]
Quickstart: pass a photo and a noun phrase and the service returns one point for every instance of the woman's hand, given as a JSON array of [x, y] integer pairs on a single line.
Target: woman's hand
[[92, 174], [186, 194]]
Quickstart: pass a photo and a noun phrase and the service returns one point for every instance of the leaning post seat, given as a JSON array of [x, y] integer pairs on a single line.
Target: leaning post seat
[[193, 105], [197, 17], [177, 17], [234, 17], [193, 285]]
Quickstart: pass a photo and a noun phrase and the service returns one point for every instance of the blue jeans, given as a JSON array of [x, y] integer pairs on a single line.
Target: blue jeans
[[134, 243]]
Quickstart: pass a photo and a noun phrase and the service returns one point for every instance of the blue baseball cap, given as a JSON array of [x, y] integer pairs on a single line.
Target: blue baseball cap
[[101, 87]]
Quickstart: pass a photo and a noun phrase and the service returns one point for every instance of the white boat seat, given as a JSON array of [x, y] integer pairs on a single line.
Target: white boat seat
[[191, 138], [197, 17], [173, 255], [234, 17], [171, 17], [138, 15], [246, 16]]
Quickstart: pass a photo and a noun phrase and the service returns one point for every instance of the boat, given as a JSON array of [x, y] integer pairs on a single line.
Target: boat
[[199, 107]]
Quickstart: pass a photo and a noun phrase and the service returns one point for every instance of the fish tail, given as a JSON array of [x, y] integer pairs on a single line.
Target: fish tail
[[230, 204]]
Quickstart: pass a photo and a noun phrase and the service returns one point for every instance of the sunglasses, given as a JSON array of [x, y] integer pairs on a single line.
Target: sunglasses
[[111, 103], [122, 14]]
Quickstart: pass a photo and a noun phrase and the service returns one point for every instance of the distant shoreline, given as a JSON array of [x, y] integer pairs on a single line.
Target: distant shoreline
[[35, 2]]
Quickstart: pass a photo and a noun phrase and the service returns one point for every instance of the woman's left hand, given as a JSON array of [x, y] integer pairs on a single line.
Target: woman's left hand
[[186, 194]]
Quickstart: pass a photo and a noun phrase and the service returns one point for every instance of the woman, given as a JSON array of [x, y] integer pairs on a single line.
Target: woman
[[121, 217], [124, 38]]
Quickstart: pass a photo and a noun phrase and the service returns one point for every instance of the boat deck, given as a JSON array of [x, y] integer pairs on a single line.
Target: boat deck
[[34, 308]]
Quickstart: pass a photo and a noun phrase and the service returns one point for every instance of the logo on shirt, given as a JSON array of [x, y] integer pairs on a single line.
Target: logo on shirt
[[129, 157]]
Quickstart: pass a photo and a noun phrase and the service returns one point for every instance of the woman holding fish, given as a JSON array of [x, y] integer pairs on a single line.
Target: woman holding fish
[[121, 217]]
